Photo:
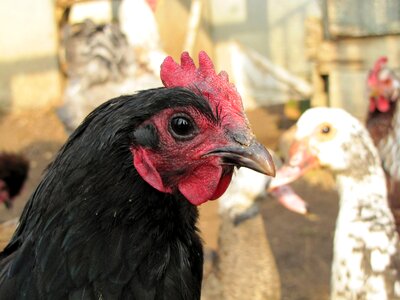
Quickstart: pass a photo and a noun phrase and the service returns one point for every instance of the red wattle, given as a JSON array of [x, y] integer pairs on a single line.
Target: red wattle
[[205, 183], [383, 104], [222, 185]]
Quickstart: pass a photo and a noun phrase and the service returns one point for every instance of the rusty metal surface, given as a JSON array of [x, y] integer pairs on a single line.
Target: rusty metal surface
[[359, 18]]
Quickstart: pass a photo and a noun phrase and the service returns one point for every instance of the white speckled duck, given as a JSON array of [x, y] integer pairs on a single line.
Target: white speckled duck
[[366, 262]]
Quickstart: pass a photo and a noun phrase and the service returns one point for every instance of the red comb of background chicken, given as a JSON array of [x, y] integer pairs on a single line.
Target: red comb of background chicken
[[378, 100], [215, 88], [379, 63], [373, 75]]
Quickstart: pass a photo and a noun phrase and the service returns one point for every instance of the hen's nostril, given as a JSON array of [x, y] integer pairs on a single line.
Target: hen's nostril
[[241, 138]]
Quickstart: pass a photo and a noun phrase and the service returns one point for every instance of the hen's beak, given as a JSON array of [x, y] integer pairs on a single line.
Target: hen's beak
[[255, 157]]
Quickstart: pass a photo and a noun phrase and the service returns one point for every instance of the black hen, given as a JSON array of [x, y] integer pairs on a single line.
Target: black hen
[[115, 215]]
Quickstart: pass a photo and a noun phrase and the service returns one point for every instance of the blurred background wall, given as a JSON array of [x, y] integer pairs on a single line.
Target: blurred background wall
[[327, 44], [344, 44], [29, 75]]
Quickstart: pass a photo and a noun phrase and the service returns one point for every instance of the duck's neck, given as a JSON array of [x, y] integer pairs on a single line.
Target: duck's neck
[[365, 238], [365, 188]]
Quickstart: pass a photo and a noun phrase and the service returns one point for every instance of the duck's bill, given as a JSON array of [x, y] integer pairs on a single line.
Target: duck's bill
[[289, 199], [300, 161]]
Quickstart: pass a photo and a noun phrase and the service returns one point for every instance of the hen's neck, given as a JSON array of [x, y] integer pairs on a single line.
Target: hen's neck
[[379, 123]]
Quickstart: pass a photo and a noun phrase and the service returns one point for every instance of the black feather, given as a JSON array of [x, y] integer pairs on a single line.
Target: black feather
[[95, 229], [146, 136]]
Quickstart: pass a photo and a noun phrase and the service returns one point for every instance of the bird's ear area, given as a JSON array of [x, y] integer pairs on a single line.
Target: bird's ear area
[[146, 169], [146, 136]]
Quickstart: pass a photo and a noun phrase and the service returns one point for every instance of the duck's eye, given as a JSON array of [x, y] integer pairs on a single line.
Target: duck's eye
[[325, 132], [325, 129], [182, 127]]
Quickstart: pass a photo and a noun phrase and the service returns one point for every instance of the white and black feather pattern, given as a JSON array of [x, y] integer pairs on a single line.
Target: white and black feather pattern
[[100, 65], [366, 261], [95, 53]]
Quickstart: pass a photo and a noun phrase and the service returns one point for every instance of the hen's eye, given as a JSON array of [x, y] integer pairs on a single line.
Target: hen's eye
[[182, 127]]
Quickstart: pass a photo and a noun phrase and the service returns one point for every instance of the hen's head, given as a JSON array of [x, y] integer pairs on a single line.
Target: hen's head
[[194, 143], [331, 138], [383, 86]]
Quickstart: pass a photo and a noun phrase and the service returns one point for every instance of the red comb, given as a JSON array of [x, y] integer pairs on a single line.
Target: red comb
[[215, 88], [379, 63], [373, 74]]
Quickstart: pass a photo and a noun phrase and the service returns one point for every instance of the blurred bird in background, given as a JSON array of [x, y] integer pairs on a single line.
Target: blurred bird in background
[[244, 266], [104, 61], [138, 23], [366, 246], [383, 123], [14, 170]]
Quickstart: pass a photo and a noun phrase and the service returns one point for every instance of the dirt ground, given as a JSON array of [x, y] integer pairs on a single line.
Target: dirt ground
[[302, 244]]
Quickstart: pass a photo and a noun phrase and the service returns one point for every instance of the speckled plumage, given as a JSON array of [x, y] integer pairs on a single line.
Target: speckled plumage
[[366, 247], [366, 261]]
